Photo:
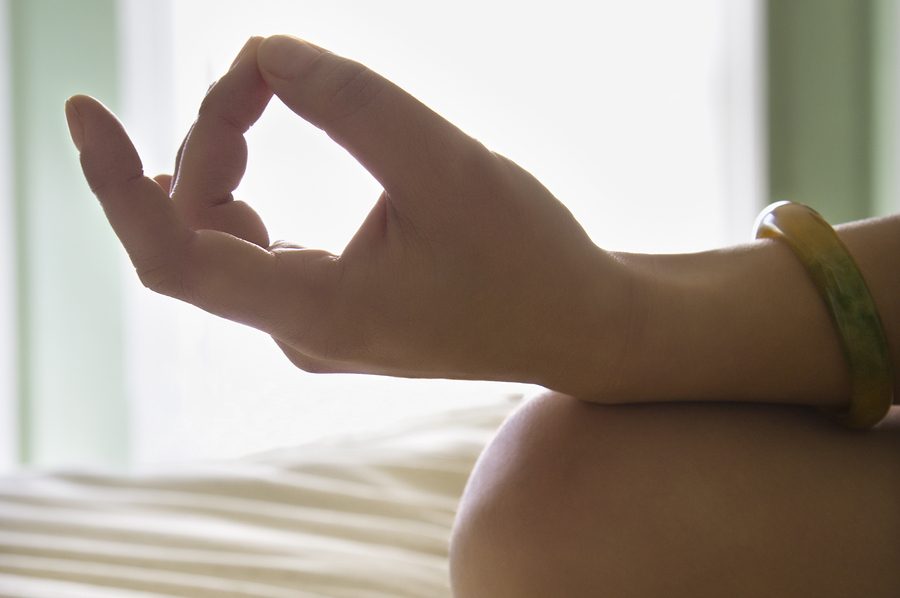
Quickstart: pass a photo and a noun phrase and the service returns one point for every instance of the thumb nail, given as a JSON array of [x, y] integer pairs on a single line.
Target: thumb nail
[[284, 57], [76, 128]]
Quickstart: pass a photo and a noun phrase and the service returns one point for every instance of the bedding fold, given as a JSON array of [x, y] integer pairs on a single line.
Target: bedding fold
[[363, 516]]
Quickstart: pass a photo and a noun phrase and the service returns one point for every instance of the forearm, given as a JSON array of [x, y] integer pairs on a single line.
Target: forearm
[[746, 323]]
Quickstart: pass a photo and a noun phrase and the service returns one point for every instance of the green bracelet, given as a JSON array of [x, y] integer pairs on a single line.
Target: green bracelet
[[849, 302]]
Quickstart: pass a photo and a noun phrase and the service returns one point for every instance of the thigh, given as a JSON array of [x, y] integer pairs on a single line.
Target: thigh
[[575, 499]]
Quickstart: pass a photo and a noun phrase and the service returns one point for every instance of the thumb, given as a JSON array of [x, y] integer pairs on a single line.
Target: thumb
[[393, 135]]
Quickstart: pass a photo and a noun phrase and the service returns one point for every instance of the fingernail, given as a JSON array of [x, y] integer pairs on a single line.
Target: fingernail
[[76, 129], [244, 50], [285, 57]]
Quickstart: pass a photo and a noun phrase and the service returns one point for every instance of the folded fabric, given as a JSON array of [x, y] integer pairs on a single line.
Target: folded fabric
[[359, 516]]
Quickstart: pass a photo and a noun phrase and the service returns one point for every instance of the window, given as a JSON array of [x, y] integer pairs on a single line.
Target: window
[[643, 117], [640, 116]]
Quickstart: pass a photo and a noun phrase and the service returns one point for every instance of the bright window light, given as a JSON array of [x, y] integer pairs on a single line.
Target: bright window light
[[625, 110]]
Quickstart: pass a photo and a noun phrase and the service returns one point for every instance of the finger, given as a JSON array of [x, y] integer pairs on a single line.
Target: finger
[[137, 207], [394, 136], [235, 218], [214, 155], [180, 151], [178, 155], [164, 181], [211, 269]]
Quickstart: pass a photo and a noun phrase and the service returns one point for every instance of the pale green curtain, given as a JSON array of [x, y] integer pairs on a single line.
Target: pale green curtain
[[832, 105], [71, 390]]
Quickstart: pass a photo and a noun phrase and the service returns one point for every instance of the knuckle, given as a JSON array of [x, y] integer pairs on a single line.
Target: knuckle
[[166, 273], [107, 184], [212, 108], [159, 277], [310, 283], [333, 327]]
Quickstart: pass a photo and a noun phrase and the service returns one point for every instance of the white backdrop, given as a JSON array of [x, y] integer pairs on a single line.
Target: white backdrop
[[643, 117]]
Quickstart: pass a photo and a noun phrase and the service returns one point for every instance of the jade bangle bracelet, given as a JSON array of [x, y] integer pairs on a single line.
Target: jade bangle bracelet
[[853, 311]]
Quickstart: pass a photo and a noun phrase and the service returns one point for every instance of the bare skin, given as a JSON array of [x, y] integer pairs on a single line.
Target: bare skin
[[680, 500], [467, 267], [462, 269]]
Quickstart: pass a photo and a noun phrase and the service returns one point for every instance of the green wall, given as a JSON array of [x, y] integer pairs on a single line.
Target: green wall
[[831, 102], [886, 106], [72, 399]]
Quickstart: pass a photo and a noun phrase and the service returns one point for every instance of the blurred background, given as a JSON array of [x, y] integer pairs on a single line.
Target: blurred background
[[663, 126]]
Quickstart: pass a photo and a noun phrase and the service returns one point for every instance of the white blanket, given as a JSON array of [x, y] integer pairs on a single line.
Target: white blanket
[[367, 516]]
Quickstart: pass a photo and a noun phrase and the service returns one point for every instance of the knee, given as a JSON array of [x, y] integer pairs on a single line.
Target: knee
[[575, 499], [525, 506]]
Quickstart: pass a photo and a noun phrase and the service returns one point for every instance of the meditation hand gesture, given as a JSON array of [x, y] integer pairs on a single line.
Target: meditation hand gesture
[[464, 267], [467, 267]]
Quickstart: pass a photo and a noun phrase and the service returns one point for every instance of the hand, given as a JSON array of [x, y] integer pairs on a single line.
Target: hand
[[466, 266]]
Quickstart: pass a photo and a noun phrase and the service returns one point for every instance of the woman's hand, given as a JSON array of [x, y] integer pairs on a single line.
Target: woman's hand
[[466, 266]]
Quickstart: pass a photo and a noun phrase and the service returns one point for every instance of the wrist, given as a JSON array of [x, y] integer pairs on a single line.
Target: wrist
[[600, 338], [738, 324], [742, 323]]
